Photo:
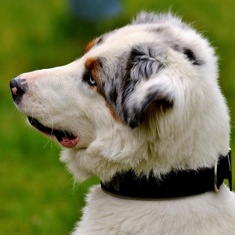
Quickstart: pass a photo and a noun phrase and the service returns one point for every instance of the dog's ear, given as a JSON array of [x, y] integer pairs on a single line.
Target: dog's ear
[[146, 87]]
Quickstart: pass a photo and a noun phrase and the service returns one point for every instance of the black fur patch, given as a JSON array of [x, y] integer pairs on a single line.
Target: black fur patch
[[191, 56], [86, 76], [113, 94], [128, 85], [154, 101], [100, 40]]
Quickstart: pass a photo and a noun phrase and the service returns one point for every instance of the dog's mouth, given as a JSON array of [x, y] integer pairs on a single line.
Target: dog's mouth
[[65, 138]]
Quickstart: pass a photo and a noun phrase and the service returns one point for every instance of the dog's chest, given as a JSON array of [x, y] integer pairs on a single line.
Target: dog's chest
[[107, 215]]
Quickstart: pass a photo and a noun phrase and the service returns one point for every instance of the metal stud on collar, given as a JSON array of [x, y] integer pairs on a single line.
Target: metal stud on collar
[[215, 176]]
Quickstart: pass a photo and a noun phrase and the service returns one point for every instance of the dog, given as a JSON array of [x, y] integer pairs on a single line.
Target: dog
[[141, 108]]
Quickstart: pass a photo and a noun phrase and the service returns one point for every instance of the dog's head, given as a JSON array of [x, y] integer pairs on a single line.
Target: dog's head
[[142, 97]]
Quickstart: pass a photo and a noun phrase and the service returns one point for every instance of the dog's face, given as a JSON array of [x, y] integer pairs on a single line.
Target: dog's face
[[139, 96]]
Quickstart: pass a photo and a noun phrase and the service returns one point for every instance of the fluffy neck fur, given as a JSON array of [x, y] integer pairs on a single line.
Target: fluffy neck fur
[[156, 149]]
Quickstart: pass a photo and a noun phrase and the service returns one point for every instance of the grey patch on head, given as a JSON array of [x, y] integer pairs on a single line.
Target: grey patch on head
[[124, 73], [169, 38], [152, 18], [177, 44], [111, 74], [149, 18], [145, 60]]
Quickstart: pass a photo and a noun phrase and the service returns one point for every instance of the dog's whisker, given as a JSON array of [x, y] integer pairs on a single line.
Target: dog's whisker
[[51, 134]]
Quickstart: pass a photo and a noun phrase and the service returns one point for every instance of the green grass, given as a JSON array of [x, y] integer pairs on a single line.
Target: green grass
[[37, 195]]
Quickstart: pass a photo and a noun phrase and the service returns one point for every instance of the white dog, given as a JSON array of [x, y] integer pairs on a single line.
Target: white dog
[[143, 111]]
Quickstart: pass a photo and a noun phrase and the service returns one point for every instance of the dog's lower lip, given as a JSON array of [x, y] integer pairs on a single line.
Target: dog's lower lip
[[69, 143], [65, 138]]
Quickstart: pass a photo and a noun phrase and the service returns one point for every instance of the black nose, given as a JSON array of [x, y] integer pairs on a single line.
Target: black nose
[[18, 88]]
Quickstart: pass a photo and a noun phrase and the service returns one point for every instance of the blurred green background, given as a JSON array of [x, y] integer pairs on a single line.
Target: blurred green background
[[37, 195]]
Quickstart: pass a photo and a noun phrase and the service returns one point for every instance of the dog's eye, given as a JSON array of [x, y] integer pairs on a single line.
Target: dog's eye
[[88, 78], [91, 81]]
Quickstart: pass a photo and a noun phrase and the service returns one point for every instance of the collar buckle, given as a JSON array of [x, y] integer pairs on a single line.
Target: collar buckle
[[222, 171]]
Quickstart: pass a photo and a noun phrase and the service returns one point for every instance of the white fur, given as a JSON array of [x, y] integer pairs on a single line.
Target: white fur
[[211, 213], [191, 135]]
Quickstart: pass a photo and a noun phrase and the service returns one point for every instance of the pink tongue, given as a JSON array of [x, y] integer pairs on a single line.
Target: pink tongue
[[69, 143]]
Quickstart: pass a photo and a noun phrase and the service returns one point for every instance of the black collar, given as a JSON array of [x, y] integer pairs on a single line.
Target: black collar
[[172, 185]]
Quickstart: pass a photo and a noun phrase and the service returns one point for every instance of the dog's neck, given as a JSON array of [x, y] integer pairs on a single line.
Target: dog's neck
[[172, 185]]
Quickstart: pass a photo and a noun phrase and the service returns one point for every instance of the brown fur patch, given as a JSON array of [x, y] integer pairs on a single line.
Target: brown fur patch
[[90, 45], [116, 119], [93, 65]]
